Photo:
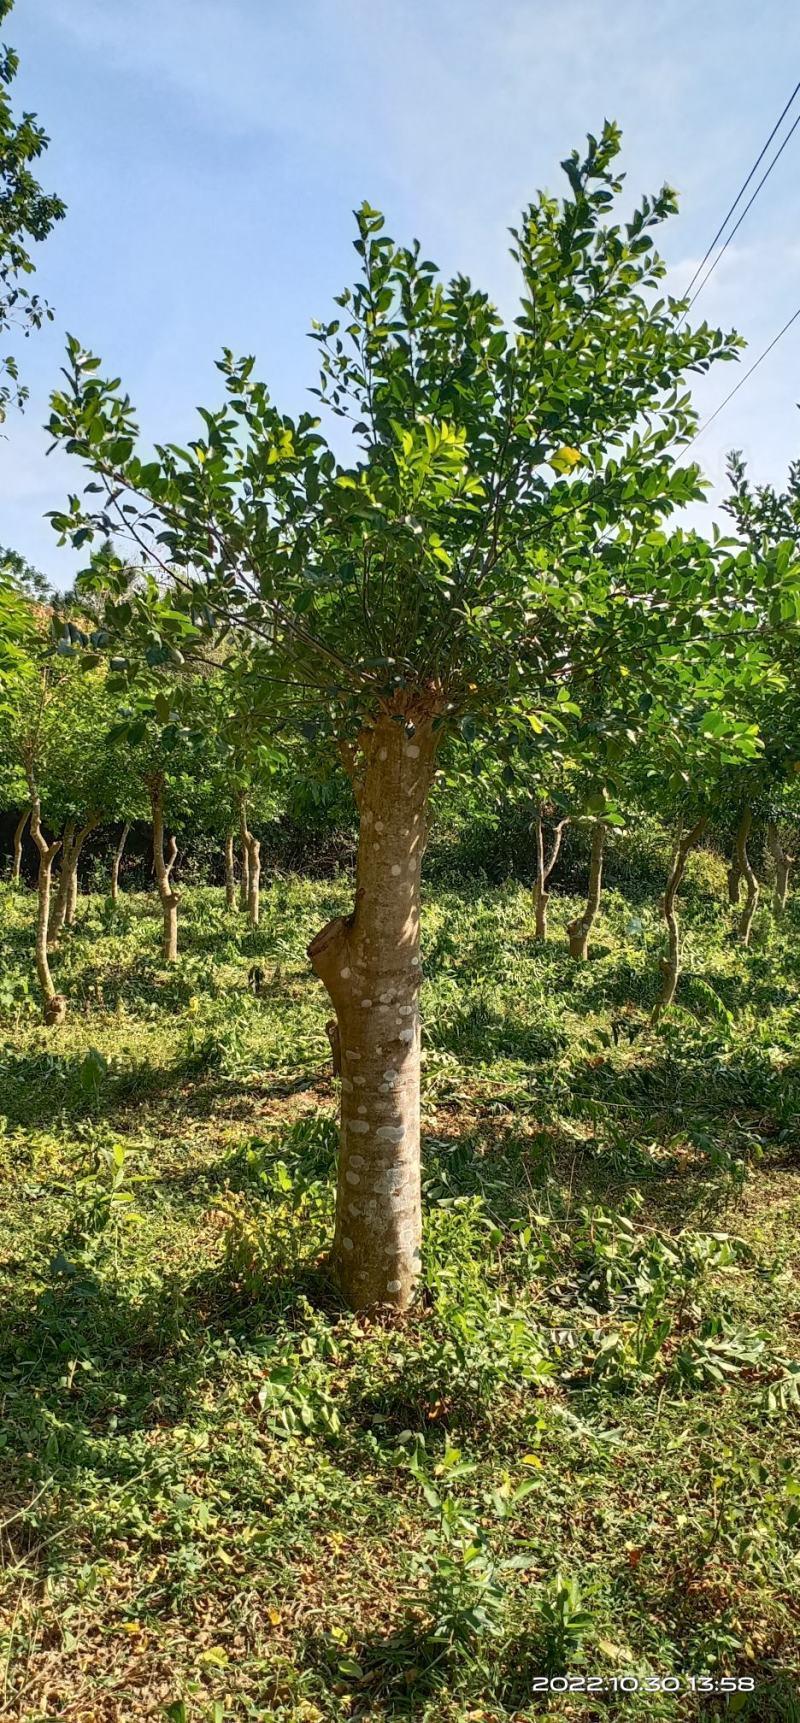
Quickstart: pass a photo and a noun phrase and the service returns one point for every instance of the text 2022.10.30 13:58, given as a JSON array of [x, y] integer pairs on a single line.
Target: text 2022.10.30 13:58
[[642, 1684]]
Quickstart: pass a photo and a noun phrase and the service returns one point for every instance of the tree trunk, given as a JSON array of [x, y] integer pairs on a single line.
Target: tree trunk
[[735, 869], [671, 964], [162, 867], [59, 909], [18, 833], [244, 883], [67, 894], [72, 897], [230, 875], [544, 869], [783, 865], [54, 1004], [253, 879], [369, 963], [579, 930], [742, 863], [118, 854]]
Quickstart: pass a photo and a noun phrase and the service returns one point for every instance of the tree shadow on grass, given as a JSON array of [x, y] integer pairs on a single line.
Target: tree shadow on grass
[[509, 1172], [85, 1366], [37, 1086]]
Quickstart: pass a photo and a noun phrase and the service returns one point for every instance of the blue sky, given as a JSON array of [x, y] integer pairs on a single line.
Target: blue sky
[[211, 151]]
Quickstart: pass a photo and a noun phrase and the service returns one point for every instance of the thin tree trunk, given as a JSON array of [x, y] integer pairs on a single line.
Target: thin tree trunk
[[369, 963], [783, 866], [59, 906], [230, 873], [74, 880], [746, 873], [67, 896], [671, 964], [72, 897], [244, 883], [18, 834], [544, 869], [579, 930], [162, 867], [735, 869], [253, 879], [118, 854], [54, 1004]]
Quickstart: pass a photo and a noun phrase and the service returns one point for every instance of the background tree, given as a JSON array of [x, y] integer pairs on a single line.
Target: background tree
[[27, 213], [768, 522]]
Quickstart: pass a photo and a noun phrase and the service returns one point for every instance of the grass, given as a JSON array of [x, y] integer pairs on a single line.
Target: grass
[[225, 1497]]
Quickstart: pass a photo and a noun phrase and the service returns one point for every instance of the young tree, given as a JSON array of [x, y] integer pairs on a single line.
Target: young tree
[[32, 690], [482, 527], [27, 214], [767, 521]]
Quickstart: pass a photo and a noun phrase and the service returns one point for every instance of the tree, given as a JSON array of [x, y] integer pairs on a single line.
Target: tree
[[498, 483], [697, 738], [767, 521], [27, 214]]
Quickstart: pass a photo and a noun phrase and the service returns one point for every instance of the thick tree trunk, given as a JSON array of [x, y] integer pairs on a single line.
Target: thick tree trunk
[[162, 867], [541, 895], [369, 964], [54, 1005], [244, 833], [18, 835], [253, 880], [671, 964], [783, 866], [230, 872], [742, 863], [115, 865], [579, 930]]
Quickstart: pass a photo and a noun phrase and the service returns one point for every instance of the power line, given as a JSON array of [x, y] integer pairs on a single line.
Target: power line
[[742, 189], [742, 380], [748, 206]]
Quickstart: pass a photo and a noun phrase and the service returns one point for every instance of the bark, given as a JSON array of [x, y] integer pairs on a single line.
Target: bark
[[783, 867], [253, 879], [742, 863], [67, 894], [118, 854], [54, 1005], [369, 963], [579, 930], [544, 869], [230, 874], [671, 964], [162, 867], [244, 883], [18, 834]]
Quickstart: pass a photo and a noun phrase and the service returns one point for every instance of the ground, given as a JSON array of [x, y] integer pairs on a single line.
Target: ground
[[225, 1497]]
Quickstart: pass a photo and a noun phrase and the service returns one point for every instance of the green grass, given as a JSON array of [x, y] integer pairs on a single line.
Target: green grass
[[224, 1494]]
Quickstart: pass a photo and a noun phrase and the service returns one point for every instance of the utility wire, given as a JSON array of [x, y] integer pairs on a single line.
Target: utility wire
[[742, 381], [742, 189], [748, 206]]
